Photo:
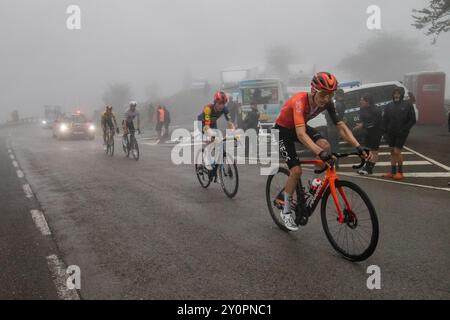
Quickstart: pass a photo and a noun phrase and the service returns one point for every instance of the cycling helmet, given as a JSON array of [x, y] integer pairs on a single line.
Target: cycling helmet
[[108, 108], [133, 103], [220, 97], [324, 81]]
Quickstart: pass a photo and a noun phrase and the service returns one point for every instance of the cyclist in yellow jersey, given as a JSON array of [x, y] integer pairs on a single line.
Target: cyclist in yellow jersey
[[108, 121]]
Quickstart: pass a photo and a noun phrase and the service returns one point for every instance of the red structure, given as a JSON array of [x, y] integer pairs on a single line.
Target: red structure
[[429, 90]]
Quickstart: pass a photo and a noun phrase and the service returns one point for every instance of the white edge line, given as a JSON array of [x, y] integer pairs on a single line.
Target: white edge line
[[28, 191], [12, 156], [20, 174], [15, 164], [57, 269], [40, 222], [388, 181], [429, 159]]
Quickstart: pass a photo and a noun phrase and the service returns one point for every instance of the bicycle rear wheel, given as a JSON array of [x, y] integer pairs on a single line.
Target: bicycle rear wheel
[[357, 238], [274, 189], [229, 177], [201, 171]]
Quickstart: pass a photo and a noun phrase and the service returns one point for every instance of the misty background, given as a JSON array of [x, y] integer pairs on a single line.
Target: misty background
[[155, 46]]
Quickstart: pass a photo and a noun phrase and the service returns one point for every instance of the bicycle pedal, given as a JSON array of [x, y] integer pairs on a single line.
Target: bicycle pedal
[[302, 221]]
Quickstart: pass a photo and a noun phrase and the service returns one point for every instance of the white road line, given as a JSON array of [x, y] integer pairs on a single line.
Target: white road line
[[15, 164], [28, 191], [12, 156], [40, 222], [9, 151], [20, 174], [388, 164], [409, 174], [58, 271], [355, 175], [429, 159], [387, 154]]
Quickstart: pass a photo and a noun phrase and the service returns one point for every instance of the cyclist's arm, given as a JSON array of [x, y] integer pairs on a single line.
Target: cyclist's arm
[[347, 134], [115, 120], [306, 140]]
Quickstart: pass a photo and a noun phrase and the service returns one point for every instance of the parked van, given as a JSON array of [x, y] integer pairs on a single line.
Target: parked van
[[382, 93]]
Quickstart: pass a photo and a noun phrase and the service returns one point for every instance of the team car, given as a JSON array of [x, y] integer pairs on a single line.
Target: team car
[[74, 126]]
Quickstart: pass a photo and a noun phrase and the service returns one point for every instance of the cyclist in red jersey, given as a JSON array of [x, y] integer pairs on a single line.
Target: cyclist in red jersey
[[292, 124]]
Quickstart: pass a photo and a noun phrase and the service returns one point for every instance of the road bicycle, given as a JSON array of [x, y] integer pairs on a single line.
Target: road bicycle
[[225, 171], [348, 216], [110, 141], [130, 145]]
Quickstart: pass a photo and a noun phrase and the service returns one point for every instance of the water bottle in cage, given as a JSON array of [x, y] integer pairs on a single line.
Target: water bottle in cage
[[314, 185]]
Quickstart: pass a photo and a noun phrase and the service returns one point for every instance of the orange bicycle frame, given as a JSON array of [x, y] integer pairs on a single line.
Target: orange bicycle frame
[[329, 181]]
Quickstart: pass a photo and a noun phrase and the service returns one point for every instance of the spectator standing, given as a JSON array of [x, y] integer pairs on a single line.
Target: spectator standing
[[166, 122], [398, 119], [160, 118], [371, 119]]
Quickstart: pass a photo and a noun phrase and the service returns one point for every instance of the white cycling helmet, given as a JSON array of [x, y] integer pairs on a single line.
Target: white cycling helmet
[[133, 103]]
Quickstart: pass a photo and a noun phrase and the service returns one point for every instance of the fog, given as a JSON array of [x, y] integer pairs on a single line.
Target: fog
[[141, 42]]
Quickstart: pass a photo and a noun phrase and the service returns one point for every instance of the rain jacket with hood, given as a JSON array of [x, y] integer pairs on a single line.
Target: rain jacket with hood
[[399, 116]]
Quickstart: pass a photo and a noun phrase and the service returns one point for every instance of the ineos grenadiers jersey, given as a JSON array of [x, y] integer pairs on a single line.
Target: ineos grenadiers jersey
[[129, 115], [296, 112]]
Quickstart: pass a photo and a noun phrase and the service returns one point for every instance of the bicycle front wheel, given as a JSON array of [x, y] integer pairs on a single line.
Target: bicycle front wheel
[[357, 238], [229, 177], [134, 148]]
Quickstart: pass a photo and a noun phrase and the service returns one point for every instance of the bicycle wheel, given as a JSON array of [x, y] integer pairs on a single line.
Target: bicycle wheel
[[274, 189], [125, 144], [201, 171], [134, 148], [229, 177], [356, 238], [110, 145]]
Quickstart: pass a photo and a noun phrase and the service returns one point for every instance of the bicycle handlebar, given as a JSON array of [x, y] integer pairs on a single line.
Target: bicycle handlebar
[[341, 155]]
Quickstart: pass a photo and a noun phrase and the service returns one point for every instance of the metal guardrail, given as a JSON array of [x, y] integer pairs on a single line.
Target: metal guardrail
[[21, 122]]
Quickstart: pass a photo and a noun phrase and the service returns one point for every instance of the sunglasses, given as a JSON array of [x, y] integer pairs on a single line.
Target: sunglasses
[[324, 94]]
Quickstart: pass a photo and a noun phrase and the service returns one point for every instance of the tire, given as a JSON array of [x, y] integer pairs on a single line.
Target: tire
[[201, 171], [227, 171], [367, 250], [125, 147], [271, 194], [134, 149]]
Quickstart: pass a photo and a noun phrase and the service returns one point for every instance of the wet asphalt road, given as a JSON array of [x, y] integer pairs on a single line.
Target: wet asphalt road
[[147, 230]]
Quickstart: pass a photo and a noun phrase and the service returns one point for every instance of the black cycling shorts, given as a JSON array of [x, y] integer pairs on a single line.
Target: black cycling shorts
[[286, 143], [372, 139], [396, 141]]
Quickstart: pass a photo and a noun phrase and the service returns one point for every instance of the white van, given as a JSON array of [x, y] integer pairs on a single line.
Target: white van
[[382, 93]]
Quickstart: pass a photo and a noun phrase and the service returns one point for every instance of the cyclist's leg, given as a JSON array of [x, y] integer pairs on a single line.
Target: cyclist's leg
[[287, 138], [104, 132]]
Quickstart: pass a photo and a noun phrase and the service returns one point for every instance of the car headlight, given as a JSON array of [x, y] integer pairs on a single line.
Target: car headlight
[[91, 127], [44, 122], [63, 127]]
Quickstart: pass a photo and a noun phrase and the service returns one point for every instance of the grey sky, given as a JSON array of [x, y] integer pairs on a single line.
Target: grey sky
[[146, 41]]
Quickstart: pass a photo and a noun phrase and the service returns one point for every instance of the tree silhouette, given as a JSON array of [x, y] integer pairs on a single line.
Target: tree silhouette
[[436, 18]]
